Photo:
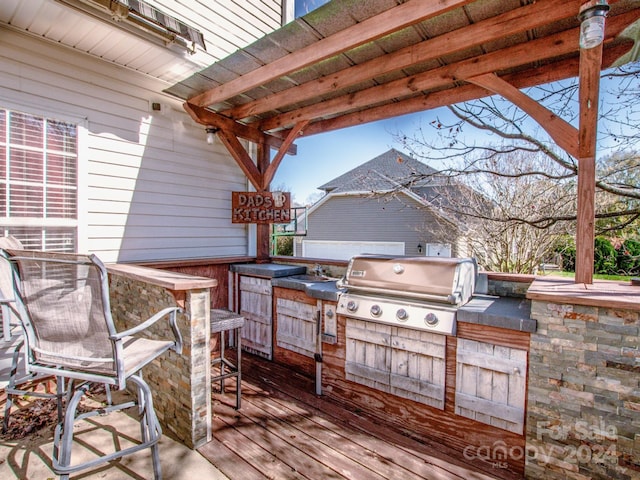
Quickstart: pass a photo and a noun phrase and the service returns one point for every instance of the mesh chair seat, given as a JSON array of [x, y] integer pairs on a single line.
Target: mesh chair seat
[[63, 306]]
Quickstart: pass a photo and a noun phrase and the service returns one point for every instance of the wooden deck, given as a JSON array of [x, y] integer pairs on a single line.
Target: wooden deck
[[285, 431]]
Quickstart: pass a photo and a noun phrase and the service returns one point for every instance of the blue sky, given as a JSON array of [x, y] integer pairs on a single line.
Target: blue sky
[[325, 156]]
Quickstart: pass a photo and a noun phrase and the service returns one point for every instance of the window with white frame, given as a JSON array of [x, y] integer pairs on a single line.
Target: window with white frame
[[39, 181]]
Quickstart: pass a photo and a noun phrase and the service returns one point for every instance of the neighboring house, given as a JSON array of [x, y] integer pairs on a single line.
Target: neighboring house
[[390, 204], [94, 156]]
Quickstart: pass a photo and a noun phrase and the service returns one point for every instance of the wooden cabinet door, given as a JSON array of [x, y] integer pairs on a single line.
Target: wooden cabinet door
[[255, 307], [368, 356], [491, 384], [296, 326], [418, 366], [407, 363]]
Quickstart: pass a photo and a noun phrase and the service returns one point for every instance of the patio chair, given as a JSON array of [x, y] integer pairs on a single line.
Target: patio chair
[[63, 305]]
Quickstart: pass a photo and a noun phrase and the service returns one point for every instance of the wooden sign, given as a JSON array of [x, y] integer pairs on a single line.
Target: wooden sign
[[260, 207]]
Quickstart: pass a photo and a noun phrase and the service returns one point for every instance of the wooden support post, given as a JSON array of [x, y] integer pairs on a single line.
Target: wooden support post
[[590, 65], [263, 230]]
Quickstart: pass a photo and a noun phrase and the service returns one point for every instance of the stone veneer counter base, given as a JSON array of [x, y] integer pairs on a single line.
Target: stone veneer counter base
[[583, 404]]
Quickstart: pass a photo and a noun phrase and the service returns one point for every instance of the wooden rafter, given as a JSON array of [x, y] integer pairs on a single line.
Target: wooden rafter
[[520, 54], [242, 158], [391, 20], [510, 23], [549, 73]]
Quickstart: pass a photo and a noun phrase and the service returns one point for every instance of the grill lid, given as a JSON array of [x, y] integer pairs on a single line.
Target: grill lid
[[448, 280]]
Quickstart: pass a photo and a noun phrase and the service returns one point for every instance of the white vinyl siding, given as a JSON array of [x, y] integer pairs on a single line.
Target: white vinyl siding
[[354, 219], [152, 188], [227, 25]]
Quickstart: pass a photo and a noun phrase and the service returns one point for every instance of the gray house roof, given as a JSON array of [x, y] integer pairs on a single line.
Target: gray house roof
[[384, 172]]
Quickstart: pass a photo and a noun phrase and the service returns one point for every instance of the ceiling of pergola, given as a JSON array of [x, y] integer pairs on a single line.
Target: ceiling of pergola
[[352, 62]]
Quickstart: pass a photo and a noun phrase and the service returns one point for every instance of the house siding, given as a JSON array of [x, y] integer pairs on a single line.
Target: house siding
[[228, 25], [152, 188], [358, 218]]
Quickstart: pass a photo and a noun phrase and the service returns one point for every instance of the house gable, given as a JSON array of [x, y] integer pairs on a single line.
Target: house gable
[[392, 165]]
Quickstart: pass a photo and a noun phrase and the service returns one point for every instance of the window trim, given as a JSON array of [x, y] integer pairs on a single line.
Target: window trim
[[81, 222]]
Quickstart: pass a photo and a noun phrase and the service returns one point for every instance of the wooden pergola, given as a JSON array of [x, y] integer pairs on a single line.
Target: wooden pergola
[[352, 62]]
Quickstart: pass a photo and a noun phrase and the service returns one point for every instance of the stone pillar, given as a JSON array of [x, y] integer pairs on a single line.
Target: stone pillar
[[583, 412], [181, 384]]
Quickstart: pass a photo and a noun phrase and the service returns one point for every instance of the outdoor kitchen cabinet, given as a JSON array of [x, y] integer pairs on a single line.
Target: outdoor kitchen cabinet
[[255, 307], [404, 362], [491, 384], [296, 329], [296, 324], [252, 298]]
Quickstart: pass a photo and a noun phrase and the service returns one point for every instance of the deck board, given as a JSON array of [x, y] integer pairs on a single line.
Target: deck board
[[285, 431]]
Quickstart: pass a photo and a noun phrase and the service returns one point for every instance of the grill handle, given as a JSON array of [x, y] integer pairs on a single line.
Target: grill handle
[[449, 299]]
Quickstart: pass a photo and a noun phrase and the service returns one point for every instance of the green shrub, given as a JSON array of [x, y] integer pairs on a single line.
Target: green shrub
[[284, 246], [605, 257]]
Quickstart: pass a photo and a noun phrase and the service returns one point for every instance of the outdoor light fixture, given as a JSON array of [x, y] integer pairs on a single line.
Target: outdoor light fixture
[[592, 24], [211, 135], [419, 248]]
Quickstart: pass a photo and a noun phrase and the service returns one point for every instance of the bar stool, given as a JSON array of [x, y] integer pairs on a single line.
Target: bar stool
[[223, 320]]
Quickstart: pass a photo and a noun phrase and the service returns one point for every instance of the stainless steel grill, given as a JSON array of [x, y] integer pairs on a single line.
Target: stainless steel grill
[[412, 292]]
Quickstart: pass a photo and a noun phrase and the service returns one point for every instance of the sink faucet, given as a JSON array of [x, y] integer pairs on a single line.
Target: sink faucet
[[317, 270]]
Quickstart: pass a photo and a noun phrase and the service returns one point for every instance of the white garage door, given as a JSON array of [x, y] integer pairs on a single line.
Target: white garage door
[[346, 250]]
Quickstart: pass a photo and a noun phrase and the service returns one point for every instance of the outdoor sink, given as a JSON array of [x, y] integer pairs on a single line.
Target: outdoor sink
[[310, 278]]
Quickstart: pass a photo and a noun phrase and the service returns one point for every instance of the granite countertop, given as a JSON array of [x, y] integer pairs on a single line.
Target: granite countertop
[[267, 270], [502, 312], [322, 289], [292, 277]]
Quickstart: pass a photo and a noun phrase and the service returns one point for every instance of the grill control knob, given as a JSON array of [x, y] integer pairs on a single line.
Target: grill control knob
[[402, 314], [352, 306], [431, 319], [376, 311]]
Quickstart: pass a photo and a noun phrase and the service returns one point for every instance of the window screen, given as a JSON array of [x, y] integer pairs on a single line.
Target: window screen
[[39, 181]]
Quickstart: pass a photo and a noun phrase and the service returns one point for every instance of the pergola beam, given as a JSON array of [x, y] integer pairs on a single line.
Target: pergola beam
[[242, 158], [370, 29], [551, 72], [275, 163], [551, 46], [521, 54], [511, 23]]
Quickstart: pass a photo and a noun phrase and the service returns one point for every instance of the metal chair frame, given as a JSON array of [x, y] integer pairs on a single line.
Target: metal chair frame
[[64, 367]]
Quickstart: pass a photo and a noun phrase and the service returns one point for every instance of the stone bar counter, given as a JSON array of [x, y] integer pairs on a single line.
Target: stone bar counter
[[181, 384], [583, 410]]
